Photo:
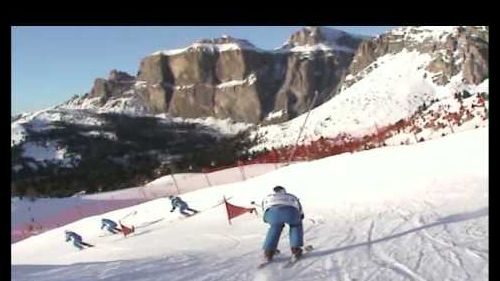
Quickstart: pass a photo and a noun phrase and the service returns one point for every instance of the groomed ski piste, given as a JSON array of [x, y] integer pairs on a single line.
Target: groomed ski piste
[[415, 212]]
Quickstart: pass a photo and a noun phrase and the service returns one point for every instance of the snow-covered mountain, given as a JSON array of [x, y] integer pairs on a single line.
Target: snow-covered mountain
[[421, 82], [55, 151], [416, 213], [391, 78], [229, 77], [311, 39], [413, 208], [222, 44]]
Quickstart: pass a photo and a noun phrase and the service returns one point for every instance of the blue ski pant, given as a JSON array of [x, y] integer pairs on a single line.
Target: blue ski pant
[[77, 244], [112, 229], [185, 207], [277, 217]]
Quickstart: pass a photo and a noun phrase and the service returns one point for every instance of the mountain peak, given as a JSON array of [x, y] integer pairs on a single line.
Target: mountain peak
[[219, 44], [312, 35], [226, 39], [117, 75], [424, 33], [313, 38]]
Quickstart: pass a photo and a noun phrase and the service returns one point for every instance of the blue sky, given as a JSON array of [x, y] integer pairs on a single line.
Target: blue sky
[[51, 64]]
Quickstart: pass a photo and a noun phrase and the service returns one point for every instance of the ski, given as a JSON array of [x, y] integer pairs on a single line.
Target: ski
[[262, 265], [86, 245], [188, 216], [293, 260]]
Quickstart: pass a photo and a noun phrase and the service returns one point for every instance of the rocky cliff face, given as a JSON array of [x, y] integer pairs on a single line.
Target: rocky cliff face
[[117, 83], [224, 78], [453, 49], [231, 78], [317, 60]]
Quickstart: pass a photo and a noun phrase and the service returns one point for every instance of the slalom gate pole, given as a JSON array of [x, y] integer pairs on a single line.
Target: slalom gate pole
[[302, 128], [175, 182]]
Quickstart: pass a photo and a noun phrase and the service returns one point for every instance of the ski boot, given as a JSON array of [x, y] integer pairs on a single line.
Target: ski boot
[[297, 252], [268, 255]]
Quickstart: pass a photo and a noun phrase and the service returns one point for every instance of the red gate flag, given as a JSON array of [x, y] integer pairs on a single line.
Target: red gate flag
[[234, 211]]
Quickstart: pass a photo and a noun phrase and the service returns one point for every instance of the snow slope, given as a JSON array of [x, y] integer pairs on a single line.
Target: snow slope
[[393, 90], [44, 120], [46, 214], [417, 212]]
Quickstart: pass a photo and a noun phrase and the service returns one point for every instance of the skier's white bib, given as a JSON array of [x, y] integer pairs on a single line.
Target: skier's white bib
[[280, 199]]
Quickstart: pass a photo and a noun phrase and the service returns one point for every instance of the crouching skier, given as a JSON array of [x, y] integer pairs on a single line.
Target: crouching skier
[[110, 226], [77, 240], [183, 206], [282, 208]]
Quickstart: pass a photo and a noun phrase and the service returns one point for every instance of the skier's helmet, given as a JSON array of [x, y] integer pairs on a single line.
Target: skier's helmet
[[279, 189]]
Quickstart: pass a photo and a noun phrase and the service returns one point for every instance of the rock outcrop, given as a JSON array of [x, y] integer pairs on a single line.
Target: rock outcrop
[[453, 49], [231, 78], [117, 83]]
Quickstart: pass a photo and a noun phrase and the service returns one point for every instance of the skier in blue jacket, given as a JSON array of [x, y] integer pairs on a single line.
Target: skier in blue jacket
[[110, 226], [282, 208], [183, 206], [77, 240]]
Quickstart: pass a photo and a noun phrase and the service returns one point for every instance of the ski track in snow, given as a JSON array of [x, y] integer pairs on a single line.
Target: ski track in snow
[[436, 229], [343, 262], [420, 215]]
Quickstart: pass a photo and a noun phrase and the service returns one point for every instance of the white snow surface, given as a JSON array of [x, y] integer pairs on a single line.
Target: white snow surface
[[210, 47], [18, 133], [38, 120], [222, 126], [416, 212], [129, 104], [43, 151], [58, 211], [321, 47], [49, 151], [275, 114], [422, 33], [44, 119], [250, 79], [331, 35], [393, 90], [329, 44]]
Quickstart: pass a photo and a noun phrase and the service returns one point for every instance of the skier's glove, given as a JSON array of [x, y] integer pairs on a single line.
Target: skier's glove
[[302, 216]]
